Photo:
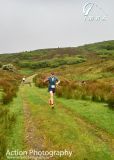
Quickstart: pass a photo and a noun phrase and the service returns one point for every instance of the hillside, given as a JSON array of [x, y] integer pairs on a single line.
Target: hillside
[[83, 117], [60, 56], [98, 55]]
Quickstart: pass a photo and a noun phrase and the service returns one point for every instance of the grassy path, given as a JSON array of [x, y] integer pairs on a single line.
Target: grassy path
[[78, 126]]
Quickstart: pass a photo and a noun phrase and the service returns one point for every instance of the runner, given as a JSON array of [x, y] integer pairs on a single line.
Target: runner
[[23, 80], [53, 82]]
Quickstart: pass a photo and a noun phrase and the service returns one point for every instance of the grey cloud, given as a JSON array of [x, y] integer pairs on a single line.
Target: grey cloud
[[34, 24]]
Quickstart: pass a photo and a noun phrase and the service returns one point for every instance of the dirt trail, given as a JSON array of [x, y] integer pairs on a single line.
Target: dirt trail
[[31, 139]]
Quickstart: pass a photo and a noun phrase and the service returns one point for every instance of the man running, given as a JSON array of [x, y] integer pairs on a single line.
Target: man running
[[23, 80], [53, 82]]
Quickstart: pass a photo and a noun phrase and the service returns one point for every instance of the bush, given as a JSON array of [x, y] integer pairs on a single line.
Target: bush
[[0, 65], [9, 67], [39, 65], [87, 90], [110, 100], [9, 83], [94, 91], [39, 81], [52, 62]]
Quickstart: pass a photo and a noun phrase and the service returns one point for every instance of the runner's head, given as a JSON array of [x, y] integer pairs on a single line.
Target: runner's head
[[52, 73]]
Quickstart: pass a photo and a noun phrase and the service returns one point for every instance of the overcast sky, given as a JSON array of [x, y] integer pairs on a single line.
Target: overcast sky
[[35, 24]]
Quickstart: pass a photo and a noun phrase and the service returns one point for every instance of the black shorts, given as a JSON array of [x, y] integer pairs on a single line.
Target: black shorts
[[51, 89]]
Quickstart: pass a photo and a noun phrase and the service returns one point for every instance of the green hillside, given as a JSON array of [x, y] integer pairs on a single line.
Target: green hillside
[[92, 63], [98, 56], [60, 56], [83, 118]]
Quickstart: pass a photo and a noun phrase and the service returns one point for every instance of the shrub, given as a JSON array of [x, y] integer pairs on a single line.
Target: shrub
[[0, 65], [9, 67], [39, 65], [95, 91], [88, 90], [39, 81], [9, 83], [110, 100]]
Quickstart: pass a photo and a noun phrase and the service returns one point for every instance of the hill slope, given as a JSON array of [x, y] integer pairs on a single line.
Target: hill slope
[[77, 123], [92, 51]]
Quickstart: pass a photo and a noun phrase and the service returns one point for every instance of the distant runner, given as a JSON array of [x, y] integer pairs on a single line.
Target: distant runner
[[23, 80], [26, 81], [53, 82]]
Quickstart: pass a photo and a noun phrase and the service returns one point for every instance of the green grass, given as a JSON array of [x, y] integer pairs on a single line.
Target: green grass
[[88, 76], [26, 71], [16, 135], [66, 127], [60, 128], [95, 113], [62, 131]]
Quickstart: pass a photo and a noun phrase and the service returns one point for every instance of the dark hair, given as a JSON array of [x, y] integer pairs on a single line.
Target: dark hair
[[52, 73]]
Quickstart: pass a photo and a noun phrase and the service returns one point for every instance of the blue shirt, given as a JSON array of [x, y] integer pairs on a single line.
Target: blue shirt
[[52, 81]]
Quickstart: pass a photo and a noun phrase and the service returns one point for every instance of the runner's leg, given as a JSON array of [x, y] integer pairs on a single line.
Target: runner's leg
[[51, 97]]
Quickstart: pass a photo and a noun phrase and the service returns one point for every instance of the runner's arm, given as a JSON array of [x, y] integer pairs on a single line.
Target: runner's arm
[[46, 80], [58, 82]]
